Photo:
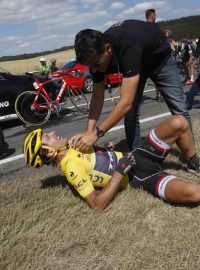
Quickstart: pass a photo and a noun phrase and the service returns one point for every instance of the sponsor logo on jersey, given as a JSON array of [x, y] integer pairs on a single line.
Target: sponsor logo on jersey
[[96, 178], [72, 175], [80, 183], [105, 161]]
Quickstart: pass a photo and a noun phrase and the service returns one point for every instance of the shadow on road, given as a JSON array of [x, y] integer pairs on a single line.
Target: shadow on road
[[6, 151]]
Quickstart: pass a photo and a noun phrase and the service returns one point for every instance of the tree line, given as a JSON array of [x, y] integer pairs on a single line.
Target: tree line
[[185, 27], [31, 55]]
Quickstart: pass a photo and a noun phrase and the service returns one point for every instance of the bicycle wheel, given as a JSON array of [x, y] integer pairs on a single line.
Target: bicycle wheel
[[27, 113], [183, 72], [78, 99]]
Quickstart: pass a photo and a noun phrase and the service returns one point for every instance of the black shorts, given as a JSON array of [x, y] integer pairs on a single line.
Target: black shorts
[[148, 173]]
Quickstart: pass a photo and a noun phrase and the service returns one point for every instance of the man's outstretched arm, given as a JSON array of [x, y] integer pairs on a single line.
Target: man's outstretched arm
[[96, 105], [127, 92]]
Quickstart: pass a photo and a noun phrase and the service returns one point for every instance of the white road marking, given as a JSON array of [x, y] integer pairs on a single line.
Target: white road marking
[[143, 120], [7, 160], [115, 97]]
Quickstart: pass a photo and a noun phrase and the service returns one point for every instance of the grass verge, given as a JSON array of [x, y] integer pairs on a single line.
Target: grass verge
[[46, 226]]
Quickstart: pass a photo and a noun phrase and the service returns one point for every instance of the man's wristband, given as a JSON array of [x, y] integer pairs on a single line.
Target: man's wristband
[[100, 132]]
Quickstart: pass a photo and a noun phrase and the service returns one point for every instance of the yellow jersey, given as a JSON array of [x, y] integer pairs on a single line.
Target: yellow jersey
[[87, 170]]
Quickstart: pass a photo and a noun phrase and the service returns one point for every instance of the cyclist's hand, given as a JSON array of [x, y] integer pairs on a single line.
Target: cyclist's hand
[[84, 141]]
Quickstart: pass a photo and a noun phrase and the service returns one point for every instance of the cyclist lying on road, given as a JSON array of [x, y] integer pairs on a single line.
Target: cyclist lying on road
[[110, 170]]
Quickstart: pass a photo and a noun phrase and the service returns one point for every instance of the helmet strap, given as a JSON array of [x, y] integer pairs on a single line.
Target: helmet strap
[[56, 151], [67, 146]]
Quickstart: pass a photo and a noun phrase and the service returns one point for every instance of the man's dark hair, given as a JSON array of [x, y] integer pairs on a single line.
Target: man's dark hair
[[149, 12], [88, 42]]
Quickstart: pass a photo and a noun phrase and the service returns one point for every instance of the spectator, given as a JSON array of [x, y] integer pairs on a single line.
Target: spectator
[[151, 15], [53, 66], [194, 90], [151, 18], [44, 68], [170, 40], [188, 52], [138, 50]]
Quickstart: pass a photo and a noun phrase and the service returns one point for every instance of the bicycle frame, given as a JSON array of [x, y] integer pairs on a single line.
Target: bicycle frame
[[39, 86], [34, 107]]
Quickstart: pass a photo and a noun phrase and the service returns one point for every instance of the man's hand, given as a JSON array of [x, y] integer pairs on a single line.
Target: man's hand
[[84, 141], [76, 138]]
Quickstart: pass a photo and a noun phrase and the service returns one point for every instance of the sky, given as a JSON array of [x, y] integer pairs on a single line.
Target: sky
[[29, 26]]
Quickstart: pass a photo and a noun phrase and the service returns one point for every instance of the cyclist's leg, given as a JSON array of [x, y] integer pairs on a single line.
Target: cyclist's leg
[[175, 129], [147, 173], [179, 190], [131, 120], [169, 188], [169, 84]]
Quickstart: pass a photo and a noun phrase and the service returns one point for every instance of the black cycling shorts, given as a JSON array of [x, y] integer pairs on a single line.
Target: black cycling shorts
[[148, 173]]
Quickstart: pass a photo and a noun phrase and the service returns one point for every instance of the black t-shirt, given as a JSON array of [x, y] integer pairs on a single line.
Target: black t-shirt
[[137, 47]]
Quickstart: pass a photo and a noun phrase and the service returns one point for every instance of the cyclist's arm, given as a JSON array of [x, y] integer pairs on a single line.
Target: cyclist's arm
[[100, 200], [77, 175]]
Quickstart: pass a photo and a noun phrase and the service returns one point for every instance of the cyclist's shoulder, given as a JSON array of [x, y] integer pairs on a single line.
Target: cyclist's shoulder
[[72, 154], [74, 158]]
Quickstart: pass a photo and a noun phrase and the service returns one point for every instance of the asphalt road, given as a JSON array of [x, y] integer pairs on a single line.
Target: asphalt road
[[72, 122]]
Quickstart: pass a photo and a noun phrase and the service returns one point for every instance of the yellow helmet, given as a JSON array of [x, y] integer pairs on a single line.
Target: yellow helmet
[[32, 149], [32, 146]]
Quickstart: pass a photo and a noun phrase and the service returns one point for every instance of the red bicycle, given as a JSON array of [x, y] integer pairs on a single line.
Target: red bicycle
[[34, 108]]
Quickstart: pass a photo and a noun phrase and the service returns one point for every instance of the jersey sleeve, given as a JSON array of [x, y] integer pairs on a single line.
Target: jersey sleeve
[[78, 177]]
